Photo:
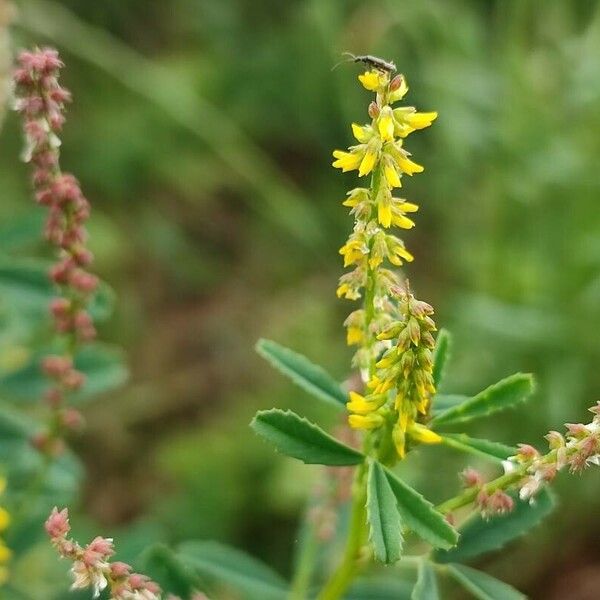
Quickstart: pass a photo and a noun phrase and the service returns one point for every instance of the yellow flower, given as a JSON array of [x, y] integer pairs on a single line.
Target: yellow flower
[[421, 120], [408, 166], [363, 133], [5, 552], [354, 250], [391, 173], [354, 336], [385, 124], [374, 80], [423, 434], [347, 161], [398, 89], [371, 421]]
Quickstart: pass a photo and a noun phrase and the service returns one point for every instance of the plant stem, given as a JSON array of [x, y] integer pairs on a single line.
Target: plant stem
[[305, 565], [347, 570]]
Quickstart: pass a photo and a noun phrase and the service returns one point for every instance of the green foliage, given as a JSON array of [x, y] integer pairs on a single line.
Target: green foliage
[[228, 568], [481, 585], [479, 535], [103, 365], [485, 448], [499, 396], [442, 402], [380, 587], [295, 436], [385, 526], [441, 355], [426, 587], [310, 377], [161, 564], [420, 515]]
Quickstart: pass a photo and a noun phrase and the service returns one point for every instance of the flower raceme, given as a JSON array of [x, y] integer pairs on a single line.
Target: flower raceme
[[394, 331]]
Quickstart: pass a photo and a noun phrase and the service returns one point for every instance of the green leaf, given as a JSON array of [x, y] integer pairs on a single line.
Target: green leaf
[[383, 516], [163, 566], [482, 585], [426, 587], [441, 354], [504, 394], [442, 402], [484, 448], [421, 516], [478, 535], [310, 377], [234, 570], [103, 366], [295, 436], [380, 587]]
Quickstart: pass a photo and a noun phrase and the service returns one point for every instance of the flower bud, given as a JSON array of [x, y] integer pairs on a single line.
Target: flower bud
[[373, 110]]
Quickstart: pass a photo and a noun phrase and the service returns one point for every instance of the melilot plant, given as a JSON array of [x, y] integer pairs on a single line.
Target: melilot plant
[[367, 513]]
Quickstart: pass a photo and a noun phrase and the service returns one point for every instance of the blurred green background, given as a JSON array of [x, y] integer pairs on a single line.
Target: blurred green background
[[202, 133]]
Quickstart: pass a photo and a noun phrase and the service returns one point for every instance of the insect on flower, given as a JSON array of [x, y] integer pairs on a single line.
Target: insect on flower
[[373, 62]]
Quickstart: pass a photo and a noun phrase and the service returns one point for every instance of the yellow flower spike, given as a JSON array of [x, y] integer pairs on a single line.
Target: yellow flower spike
[[362, 133], [5, 553], [422, 434], [371, 421], [408, 166], [347, 161], [421, 120], [373, 80], [385, 124]]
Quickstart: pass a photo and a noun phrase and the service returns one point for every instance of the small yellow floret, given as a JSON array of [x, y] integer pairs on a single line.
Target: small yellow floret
[[423, 434], [371, 421], [354, 336], [408, 166], [372, 80], [421, 120], [391, 175], [347, 161]]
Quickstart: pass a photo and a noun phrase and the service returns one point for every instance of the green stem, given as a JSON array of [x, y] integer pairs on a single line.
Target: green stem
[[305, 565], [348, 569]]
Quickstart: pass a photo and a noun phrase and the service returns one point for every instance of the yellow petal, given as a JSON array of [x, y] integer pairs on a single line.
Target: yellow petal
[[371, 421], [384, 214], [423, 434], [385, 124], [421, 120], [367, 163], [408, 207], [370, 80], [403, 222], [408, 166], [362, 134], [347, 161], [391, 175], [354, 335]]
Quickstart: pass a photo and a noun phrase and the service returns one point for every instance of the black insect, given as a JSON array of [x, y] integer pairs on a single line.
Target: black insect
[[374, 62]]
